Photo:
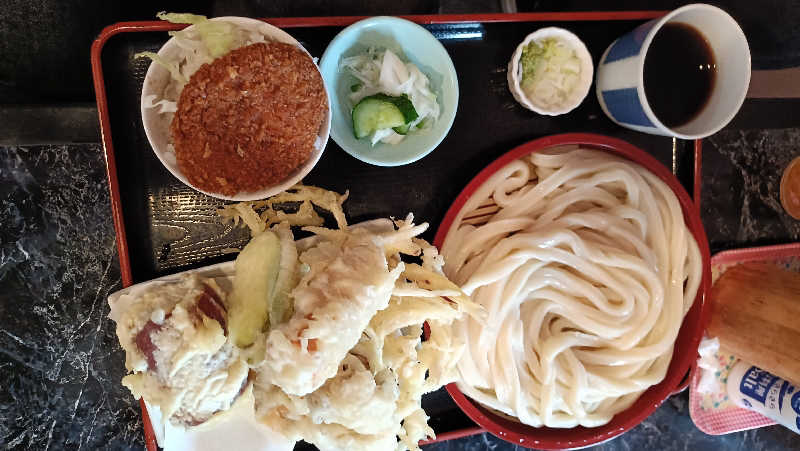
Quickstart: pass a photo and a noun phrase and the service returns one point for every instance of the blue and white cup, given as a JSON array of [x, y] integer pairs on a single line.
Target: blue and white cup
[[620, 74]]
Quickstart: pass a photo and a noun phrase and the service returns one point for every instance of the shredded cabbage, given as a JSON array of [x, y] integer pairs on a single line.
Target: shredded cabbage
[[217, 36], [203, 42], [181, 17], [550, 71], [199, 44], [163, 105], [172, 67], [384, 72]]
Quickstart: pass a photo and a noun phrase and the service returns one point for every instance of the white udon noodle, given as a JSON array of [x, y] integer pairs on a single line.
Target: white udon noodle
[[586, 272]]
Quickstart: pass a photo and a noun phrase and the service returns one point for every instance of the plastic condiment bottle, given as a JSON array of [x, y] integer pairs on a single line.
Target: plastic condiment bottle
[[755, 389]]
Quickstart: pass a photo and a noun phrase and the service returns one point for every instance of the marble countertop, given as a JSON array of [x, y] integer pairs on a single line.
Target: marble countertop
[[61, 365]]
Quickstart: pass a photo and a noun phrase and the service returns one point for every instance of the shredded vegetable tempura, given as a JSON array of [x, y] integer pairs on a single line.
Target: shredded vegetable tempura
[[349, 368], [262, 214]]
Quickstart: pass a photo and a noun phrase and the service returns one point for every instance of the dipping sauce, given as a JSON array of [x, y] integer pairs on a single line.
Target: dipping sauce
[[679, 74]]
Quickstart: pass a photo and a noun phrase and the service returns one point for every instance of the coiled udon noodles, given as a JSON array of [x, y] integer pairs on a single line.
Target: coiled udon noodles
[[586, 271]]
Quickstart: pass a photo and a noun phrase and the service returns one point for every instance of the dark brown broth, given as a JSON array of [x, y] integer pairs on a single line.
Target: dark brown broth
[[679, 74]]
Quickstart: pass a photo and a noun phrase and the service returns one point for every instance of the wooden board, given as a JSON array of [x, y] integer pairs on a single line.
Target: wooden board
[[756, 316]]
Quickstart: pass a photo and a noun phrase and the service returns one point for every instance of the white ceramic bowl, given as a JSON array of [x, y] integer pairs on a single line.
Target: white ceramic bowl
[[156, 125], [578, 93]]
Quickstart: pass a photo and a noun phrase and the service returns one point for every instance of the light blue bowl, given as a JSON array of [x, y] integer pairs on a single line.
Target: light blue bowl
[[411, 43]]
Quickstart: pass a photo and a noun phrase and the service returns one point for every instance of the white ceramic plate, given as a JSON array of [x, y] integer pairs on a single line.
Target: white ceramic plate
[[156, 125]]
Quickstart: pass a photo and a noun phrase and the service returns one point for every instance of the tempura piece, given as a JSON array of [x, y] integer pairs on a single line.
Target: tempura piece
[[372, 401], [174, 336], [347, 282], [349, 368]]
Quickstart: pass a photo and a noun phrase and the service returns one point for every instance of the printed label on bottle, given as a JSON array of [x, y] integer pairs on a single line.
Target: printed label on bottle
[[756, 383]]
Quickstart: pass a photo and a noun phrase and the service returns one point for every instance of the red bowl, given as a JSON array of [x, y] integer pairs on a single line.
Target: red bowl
[[685, 350]]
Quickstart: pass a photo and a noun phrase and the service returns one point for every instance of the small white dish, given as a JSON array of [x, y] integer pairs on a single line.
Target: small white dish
[[578, 93], [156, 125]]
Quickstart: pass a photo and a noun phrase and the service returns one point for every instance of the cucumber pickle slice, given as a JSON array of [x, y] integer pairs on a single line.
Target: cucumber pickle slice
[[380, 111]]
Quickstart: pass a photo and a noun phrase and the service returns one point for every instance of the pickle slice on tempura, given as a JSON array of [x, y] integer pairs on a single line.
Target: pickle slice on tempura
[[281, 307], [257, 268], [266, 272]]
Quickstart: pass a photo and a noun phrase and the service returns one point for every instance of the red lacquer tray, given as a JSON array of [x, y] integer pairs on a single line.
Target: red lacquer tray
[[164, 227]]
